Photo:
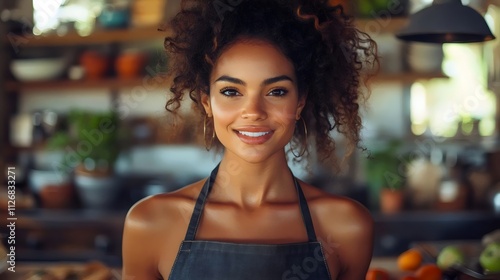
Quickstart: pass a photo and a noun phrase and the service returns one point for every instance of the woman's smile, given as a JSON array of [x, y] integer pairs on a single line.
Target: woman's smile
[[254, 135]]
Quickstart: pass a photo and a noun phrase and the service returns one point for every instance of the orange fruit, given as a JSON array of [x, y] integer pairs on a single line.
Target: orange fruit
[[377, 274], [409, 260], [429, 272]]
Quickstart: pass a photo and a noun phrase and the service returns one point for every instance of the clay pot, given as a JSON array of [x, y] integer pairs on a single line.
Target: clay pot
[[391, 201], [95, 64], [57, 196], [130, 64]]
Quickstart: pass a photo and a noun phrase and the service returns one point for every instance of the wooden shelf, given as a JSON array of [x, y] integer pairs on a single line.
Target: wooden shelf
[[101, 36], [106, 36], [409, 77], [10, 150], [381, 25], [107, 83]]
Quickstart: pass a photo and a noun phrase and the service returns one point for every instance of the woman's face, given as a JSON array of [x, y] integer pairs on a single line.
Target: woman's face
[[253, 100]]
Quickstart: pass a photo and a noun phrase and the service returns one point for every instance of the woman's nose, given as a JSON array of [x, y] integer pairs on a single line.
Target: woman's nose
[[254, 109]]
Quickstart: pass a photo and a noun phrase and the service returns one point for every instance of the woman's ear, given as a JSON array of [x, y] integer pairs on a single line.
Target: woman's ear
[[205, 101], [300, 106]]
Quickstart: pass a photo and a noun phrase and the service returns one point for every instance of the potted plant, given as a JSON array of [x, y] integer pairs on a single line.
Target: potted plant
[[91, 148], [385, 173]]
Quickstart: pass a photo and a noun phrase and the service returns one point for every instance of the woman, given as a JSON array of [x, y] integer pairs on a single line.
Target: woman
[[262, 74]]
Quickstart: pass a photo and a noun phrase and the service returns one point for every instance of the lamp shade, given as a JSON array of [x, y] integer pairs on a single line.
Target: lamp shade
[[446, 21]]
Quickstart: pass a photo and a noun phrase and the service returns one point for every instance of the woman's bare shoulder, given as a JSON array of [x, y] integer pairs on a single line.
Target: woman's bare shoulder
[[330, 207], [164, 208], [345, 227], [156, 222]]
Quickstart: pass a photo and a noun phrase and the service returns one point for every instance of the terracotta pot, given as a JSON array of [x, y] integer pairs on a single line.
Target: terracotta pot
[[57, 196], [130, 64], [95, 64], [391, 201]]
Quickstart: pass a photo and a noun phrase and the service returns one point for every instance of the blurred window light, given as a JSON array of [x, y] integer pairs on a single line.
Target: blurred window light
[[461, 105], [492, 48], [58, 15], [45, 15], [467, 125], [487, 126], [490, 20], [419, 109]]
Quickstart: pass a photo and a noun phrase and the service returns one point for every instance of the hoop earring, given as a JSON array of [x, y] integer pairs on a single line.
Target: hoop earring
[[304, 147], [209, 146]]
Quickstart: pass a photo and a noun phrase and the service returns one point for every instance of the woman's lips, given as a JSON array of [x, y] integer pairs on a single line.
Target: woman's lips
[[254, 137]]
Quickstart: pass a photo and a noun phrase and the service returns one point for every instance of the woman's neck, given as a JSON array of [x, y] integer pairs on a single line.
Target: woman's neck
[[250, 185]]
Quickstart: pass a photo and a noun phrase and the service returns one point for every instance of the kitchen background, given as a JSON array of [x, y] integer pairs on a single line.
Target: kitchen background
[[84, 128]]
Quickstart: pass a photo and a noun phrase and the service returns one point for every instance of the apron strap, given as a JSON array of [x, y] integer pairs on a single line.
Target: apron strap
[[207, 187], [304, 210], [200, 204]]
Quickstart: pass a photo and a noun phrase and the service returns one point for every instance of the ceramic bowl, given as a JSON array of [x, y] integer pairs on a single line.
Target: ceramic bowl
[[37, 69]]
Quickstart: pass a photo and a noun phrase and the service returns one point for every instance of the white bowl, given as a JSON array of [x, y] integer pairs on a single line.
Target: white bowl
[[38, 69], [96, 192]]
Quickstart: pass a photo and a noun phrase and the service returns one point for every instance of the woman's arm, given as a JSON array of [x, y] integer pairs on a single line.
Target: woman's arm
[[356, 243], [138, 249]]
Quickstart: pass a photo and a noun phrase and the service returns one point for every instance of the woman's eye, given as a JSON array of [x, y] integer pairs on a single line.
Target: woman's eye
[[278, 92], [229, 92]]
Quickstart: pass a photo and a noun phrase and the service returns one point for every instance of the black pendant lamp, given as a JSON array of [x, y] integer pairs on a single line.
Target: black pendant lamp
[[446, 21]]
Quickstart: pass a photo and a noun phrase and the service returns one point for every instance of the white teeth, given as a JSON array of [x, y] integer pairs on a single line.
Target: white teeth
[[253, 134]]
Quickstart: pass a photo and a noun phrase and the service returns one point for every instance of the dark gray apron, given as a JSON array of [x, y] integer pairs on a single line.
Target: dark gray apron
[[214, 260]]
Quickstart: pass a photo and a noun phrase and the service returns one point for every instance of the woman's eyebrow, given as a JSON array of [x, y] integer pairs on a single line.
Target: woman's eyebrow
[[225, 78], [277, 79]]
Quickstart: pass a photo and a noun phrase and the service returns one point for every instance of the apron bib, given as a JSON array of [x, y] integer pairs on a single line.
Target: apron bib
[[214, 260]]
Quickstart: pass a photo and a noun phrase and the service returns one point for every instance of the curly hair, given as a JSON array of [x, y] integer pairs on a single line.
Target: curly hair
[[327, 51]]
